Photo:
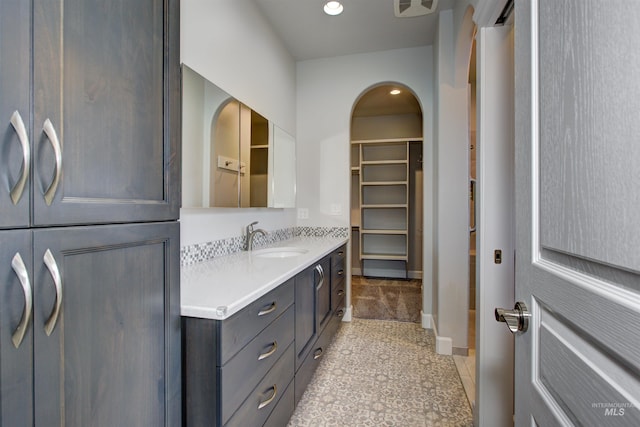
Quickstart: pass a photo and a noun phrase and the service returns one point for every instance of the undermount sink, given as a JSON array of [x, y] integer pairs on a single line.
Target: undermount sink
[[284, 252]]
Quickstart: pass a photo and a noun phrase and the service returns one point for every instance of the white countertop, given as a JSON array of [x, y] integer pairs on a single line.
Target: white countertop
[[218, 288]]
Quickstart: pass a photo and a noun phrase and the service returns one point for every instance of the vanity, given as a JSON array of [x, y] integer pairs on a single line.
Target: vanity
[[255, 326]]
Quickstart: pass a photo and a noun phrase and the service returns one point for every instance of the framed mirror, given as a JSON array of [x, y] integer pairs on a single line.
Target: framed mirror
[[232, 156]]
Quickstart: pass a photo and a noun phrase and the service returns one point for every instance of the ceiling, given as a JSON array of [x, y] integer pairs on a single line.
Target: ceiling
[[364, 26]]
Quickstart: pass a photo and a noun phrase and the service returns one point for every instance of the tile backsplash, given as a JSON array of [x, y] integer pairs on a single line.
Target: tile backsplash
[[205, 251]]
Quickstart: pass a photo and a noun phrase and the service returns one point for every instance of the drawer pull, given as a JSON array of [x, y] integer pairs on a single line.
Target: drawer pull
[[341, 253], [274, 348], [340, 313], [317, 354], [52, 266], [21, 271], [341, 292], [340, 273], [270, 399], [265, 311], [18, 126], [50, 131]]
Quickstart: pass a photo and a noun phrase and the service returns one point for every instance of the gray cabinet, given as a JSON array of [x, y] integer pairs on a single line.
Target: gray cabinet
[[102, 134], [15, 95], [319, 311], [252, 368], [101, 343], [236, 371], [90, 106], [16, 332]]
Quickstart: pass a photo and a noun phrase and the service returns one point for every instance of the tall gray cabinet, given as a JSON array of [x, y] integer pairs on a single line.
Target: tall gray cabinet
[[89, 198]]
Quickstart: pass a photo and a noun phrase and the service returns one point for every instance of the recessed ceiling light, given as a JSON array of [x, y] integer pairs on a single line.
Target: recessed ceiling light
[[333, 8], [395, 92]]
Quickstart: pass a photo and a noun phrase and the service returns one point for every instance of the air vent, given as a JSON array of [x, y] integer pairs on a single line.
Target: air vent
[[411, 8]]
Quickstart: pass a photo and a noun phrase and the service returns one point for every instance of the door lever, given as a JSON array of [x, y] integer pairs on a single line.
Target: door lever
[[517, 320]]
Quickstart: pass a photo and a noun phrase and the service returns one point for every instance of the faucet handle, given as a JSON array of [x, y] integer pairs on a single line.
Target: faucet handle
[[250, 227]]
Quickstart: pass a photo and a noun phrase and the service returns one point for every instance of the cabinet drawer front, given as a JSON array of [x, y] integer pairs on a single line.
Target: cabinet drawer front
[[243, 326], [338, 294], [338, 256], [241, 374], [263, 399], [283, 410]]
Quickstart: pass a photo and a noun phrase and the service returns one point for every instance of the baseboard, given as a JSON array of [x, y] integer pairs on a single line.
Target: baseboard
[[348, 314], [427, 320], [444, 345], [413, 274]]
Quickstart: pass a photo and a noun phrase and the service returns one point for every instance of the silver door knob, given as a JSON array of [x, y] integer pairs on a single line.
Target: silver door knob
[[517, 320]]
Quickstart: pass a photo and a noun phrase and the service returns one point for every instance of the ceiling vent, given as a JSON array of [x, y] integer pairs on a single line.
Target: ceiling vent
[[411, 8]]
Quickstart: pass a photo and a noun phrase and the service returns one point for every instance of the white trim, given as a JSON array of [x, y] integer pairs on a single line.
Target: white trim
[[348, 314], [427, 320], [444, 345]]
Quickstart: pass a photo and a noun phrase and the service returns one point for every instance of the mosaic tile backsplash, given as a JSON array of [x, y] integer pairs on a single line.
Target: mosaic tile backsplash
[[205, 251]]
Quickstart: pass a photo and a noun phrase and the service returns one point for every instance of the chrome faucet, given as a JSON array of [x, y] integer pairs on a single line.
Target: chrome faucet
[[251, 233]]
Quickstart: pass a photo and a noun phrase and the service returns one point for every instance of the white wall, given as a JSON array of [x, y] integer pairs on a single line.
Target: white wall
[[451, 145], [231, 44], [327, 90]]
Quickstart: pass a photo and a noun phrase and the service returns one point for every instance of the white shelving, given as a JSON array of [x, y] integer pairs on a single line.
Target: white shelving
[[383, 203]]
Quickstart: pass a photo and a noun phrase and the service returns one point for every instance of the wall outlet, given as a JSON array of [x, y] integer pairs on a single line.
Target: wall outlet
[[336, 209], [303, 213]]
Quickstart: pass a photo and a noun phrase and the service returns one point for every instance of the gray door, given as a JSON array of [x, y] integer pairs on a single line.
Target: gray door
[[110, 356], [577, 205], [15, 45], [16, 329], [106, 111]]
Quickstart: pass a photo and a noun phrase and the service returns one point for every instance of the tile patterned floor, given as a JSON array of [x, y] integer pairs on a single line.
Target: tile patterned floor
[[383, 373]]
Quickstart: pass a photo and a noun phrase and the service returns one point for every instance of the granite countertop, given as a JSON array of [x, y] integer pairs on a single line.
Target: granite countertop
[[219, 288]]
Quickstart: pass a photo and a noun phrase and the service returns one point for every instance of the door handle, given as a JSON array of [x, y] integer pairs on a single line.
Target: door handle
[[18, 125], [517, 320]]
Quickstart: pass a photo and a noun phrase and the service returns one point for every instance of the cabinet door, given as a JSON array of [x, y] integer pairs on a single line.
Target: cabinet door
[[305, 313], [106, 111], [16, 350], [15, 45], [323, 293], [111, 357]]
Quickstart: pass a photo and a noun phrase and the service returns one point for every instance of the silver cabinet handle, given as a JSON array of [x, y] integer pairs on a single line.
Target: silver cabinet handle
[[270, 399], [50, 131], [274, 348], [320, 271], [341, 292], [266, 311], [317, 354], [50, 262], [18, 125], [21, 271]]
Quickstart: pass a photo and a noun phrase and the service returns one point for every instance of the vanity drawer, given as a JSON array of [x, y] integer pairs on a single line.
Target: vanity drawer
[[236, 331], [338, 269], [338, 294], [283, 410], [255, 410], [242, 373], [339, 255]]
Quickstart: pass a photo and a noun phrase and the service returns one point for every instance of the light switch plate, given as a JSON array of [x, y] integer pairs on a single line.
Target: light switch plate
[[336, 209], [303, 213]]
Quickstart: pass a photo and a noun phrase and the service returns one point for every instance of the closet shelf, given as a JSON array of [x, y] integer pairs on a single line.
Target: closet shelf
[[384, 206], [365, 183], [388, 140], [384, 162], [384, 257], [384, 232]]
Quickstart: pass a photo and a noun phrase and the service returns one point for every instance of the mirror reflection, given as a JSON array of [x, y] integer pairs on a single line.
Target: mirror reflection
[[232, 155]]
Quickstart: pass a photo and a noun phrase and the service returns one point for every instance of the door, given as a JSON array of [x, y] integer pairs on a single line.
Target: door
[[106, 111], [577, 203], [15, 45], [306, 325], [106, 325], [16, 330]]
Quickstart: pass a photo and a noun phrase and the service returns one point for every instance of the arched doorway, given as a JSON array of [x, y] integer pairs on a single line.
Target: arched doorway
[[386, 204]]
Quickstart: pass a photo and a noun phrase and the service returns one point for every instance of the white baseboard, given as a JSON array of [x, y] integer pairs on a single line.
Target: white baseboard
[[348, 314], [413, 274], [427, 320], [444, 345]]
